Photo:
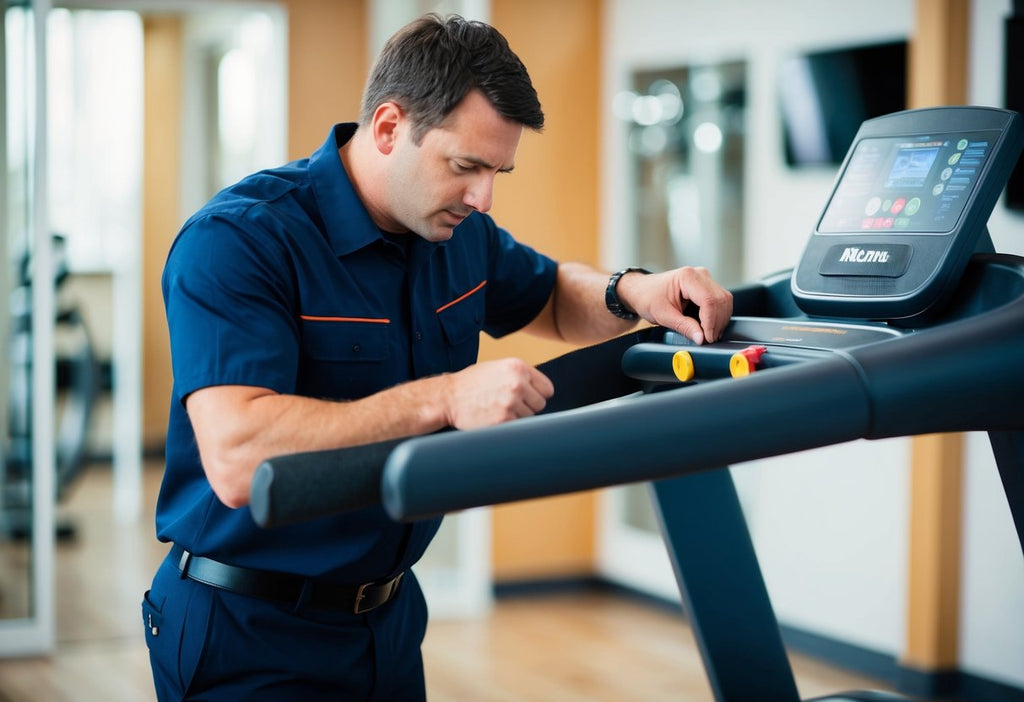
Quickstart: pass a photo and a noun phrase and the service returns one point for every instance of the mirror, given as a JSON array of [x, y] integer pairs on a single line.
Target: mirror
[[686, 142], [16, 202]]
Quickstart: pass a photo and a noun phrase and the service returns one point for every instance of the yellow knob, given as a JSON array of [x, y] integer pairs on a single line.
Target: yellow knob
[[739, 365], [682, 365]]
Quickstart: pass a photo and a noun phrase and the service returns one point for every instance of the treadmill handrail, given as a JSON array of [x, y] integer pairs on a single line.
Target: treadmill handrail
[[944, 378], [813, 404]]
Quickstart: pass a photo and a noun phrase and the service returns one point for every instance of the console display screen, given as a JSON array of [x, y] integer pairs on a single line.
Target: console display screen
[[908, 184]]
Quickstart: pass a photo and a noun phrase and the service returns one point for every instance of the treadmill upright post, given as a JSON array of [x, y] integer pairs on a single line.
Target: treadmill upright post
[[1008, 447], [723, 591]]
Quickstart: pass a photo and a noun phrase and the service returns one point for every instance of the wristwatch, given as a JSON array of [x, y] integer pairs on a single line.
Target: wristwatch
[[611, 295]]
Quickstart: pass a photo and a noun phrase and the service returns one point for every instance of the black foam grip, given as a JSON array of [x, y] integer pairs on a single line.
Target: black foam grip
[[303, 486]]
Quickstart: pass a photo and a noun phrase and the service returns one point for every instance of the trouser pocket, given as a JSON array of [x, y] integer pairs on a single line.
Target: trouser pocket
[[152, 617], [176, 615], [163, 647]]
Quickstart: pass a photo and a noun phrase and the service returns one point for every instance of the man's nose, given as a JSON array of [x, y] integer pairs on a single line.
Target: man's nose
[[480, 194]]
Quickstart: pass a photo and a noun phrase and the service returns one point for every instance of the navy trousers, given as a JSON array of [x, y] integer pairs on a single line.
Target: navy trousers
[[210, 644]]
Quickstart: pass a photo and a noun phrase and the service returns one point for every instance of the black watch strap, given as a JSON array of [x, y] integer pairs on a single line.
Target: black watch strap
[[611, 295]]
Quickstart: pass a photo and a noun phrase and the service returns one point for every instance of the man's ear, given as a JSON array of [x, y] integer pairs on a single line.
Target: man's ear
[[387, 119]]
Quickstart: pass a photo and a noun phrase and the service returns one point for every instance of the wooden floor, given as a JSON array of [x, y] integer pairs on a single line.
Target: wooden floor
[[567, 647]]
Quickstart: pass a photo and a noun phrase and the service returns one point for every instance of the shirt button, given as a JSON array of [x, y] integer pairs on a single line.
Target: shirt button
[[355, 348], [419, 336]]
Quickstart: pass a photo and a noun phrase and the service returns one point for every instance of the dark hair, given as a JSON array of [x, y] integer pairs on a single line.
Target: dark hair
[[428, 66]]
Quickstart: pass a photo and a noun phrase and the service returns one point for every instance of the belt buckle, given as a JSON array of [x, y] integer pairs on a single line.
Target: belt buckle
[[391, 587]]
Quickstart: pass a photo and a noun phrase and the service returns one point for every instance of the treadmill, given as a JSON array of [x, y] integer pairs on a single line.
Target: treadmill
[[898, 320]]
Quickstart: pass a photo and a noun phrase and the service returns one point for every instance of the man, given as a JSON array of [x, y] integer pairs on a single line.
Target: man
[[337, 301]]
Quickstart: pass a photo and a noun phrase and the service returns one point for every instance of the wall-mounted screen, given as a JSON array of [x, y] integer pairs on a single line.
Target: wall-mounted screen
[[1014, 95], [826, 95]]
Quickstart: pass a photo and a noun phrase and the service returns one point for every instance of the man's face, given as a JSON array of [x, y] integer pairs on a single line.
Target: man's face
[[432, 187]]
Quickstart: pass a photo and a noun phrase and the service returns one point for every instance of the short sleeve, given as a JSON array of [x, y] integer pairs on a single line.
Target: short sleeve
[[521, 281], [228, 306]]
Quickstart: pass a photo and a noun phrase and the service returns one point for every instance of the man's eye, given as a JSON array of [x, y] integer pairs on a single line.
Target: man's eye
[[462, 167]]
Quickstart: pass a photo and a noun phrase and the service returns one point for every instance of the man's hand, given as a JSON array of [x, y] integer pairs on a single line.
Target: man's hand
[[493, 392], [661, 298], [576, 312]]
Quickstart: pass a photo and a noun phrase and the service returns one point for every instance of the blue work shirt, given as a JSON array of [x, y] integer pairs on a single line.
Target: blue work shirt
[[283, 281]]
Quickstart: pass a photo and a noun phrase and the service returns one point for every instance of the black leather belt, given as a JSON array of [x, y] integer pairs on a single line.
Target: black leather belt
[[282, 587]]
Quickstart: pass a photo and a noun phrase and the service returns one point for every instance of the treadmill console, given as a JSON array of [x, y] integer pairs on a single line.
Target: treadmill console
[[909, 207]]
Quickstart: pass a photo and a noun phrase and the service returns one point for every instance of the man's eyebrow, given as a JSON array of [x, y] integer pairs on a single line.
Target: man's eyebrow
[[485, 164]]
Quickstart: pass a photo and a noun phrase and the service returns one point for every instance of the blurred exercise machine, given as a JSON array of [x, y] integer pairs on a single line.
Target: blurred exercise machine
[[898, 320], [78, 381]]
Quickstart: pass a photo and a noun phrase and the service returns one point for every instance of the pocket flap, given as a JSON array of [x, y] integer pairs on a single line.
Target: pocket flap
[[461, 322]]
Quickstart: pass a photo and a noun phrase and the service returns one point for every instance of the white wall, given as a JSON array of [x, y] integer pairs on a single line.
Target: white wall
[[830, 526]]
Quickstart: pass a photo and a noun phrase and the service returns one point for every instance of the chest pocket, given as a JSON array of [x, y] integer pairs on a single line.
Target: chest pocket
[[461, 321], [344, 359]]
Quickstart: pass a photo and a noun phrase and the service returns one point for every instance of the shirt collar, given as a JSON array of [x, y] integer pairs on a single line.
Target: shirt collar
[[349, 226]]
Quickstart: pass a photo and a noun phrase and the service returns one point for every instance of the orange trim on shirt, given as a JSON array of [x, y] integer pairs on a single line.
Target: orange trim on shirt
[[460, 298], [370, 320]]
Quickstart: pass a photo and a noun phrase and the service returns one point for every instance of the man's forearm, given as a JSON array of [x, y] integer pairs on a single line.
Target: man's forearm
[[576, 312], [237, 427]]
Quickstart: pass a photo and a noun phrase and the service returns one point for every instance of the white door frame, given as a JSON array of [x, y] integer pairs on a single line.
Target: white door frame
[[36, 634]]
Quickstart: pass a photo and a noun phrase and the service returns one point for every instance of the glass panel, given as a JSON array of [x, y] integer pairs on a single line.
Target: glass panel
[[15, 328], [94, 94], [246, 137]]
